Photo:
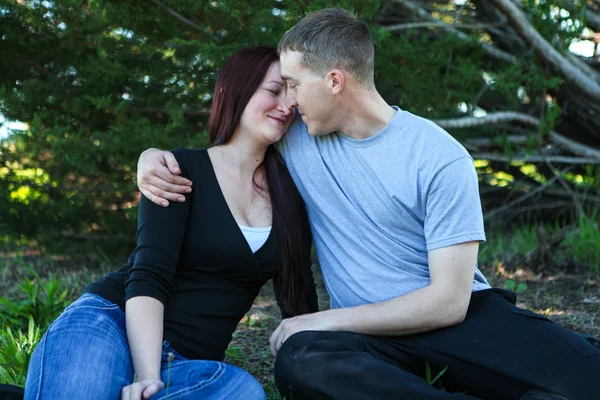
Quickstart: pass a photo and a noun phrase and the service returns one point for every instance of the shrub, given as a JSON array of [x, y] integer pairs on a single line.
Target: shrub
[[24, 321]]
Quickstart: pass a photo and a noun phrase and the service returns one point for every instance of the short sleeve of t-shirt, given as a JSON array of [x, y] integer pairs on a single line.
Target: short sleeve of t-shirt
[[453, 206]]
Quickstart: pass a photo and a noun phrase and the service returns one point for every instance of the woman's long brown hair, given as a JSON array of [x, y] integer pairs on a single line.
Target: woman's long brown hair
[[238, 80]]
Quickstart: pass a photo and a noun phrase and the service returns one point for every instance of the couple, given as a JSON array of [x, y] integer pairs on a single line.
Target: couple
[[394, 211]]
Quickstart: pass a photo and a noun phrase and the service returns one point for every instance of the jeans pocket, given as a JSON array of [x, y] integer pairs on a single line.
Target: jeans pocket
[[573, 339]]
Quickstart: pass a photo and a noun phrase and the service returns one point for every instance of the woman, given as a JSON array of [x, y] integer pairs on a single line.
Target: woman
[[197, 266]]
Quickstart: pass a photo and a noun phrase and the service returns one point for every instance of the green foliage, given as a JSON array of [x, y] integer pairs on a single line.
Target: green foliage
[[237, 354], [427, 75], [43, 306], [98, 82], [24, 321], [428, 374], [551, 19], [584, 240], [550, 118], [559, 244], [15, 352], [510, 284], [521, 240]]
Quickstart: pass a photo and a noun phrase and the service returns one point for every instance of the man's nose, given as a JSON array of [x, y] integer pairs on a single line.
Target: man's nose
[[283, 107], [290, 101]]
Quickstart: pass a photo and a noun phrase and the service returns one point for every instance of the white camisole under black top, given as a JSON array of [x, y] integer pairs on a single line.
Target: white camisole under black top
[[255, 237]]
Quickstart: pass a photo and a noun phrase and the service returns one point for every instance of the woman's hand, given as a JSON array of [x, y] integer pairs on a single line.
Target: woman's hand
[[158, 180], [143, 389]]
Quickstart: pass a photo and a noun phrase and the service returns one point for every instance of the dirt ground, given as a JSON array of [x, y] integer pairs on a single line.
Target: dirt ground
[[571, 299]]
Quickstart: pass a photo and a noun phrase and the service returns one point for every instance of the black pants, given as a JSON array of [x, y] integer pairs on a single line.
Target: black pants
[[498, 352]]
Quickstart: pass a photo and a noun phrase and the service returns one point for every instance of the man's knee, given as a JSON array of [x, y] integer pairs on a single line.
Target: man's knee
[[305, 357], [297, 357], [292, 354]]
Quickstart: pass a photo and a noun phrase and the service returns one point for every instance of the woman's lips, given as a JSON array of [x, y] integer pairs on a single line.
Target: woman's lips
[[280, 120]]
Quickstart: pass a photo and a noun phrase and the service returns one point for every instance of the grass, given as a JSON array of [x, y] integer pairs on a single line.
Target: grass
[[428, 378], [554, 270], [15, 352], [568, 247]]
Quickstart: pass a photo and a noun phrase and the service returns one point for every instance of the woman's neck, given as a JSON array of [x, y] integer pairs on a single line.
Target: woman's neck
[[240, 156]]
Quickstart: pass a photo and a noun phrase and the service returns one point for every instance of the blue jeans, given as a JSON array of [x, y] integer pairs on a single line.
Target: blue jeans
[[85, 355]]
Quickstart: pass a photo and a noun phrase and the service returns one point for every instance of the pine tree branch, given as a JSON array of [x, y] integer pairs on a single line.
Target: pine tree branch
[[546, 52], [491, 50], [591, 17], [183, 20]]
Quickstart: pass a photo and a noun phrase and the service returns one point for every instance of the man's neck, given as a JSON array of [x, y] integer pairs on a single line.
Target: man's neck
[[366, 115]]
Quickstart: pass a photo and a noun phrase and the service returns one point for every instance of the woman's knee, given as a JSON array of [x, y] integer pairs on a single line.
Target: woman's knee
[[83, 352], [252, 389], [237, 383], [56, 372]]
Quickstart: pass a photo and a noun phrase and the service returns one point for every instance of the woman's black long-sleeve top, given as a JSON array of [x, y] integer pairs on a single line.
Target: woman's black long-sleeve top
[[194, 259]]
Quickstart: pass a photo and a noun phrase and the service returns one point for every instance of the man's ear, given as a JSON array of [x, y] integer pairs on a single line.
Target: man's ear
[[336, 81]]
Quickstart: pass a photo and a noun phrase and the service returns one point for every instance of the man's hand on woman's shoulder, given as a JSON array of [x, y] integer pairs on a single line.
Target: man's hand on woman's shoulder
[[158, 177]]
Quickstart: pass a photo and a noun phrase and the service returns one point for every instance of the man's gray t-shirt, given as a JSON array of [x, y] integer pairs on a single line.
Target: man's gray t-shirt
[[378, 205]]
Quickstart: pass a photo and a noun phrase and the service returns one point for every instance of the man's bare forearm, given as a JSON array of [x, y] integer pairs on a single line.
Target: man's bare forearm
[[423, 310]]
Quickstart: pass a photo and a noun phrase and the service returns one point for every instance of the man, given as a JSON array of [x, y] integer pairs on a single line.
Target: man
[[394, 208]]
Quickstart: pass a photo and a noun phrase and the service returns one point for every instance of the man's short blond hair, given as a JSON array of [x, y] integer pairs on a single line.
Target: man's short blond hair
[[333, 38]]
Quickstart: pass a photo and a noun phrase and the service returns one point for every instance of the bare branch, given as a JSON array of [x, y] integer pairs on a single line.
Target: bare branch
[[183, 20], [491, 118], [516, 139], [573, 146], [533, 158], [586, 198], [534, 207], [585, 67], [593, 20], [546, 52], [577, 61], [523, 197], [434, 24], [562, 181], [511, 116], [491, 50]]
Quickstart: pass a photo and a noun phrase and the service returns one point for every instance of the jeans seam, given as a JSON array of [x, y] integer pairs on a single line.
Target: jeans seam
[[105, 304], [107, 308], [40, 371], [198, 386]]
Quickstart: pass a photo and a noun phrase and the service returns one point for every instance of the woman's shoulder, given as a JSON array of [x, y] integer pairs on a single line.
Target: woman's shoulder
[[186, 153], [191, 161]]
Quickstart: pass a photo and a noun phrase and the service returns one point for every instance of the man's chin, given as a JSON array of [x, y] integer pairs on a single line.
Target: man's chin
[[314, 132]]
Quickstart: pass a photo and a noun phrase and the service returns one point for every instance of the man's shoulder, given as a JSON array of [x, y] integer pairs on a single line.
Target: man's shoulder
[[435, 142]]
